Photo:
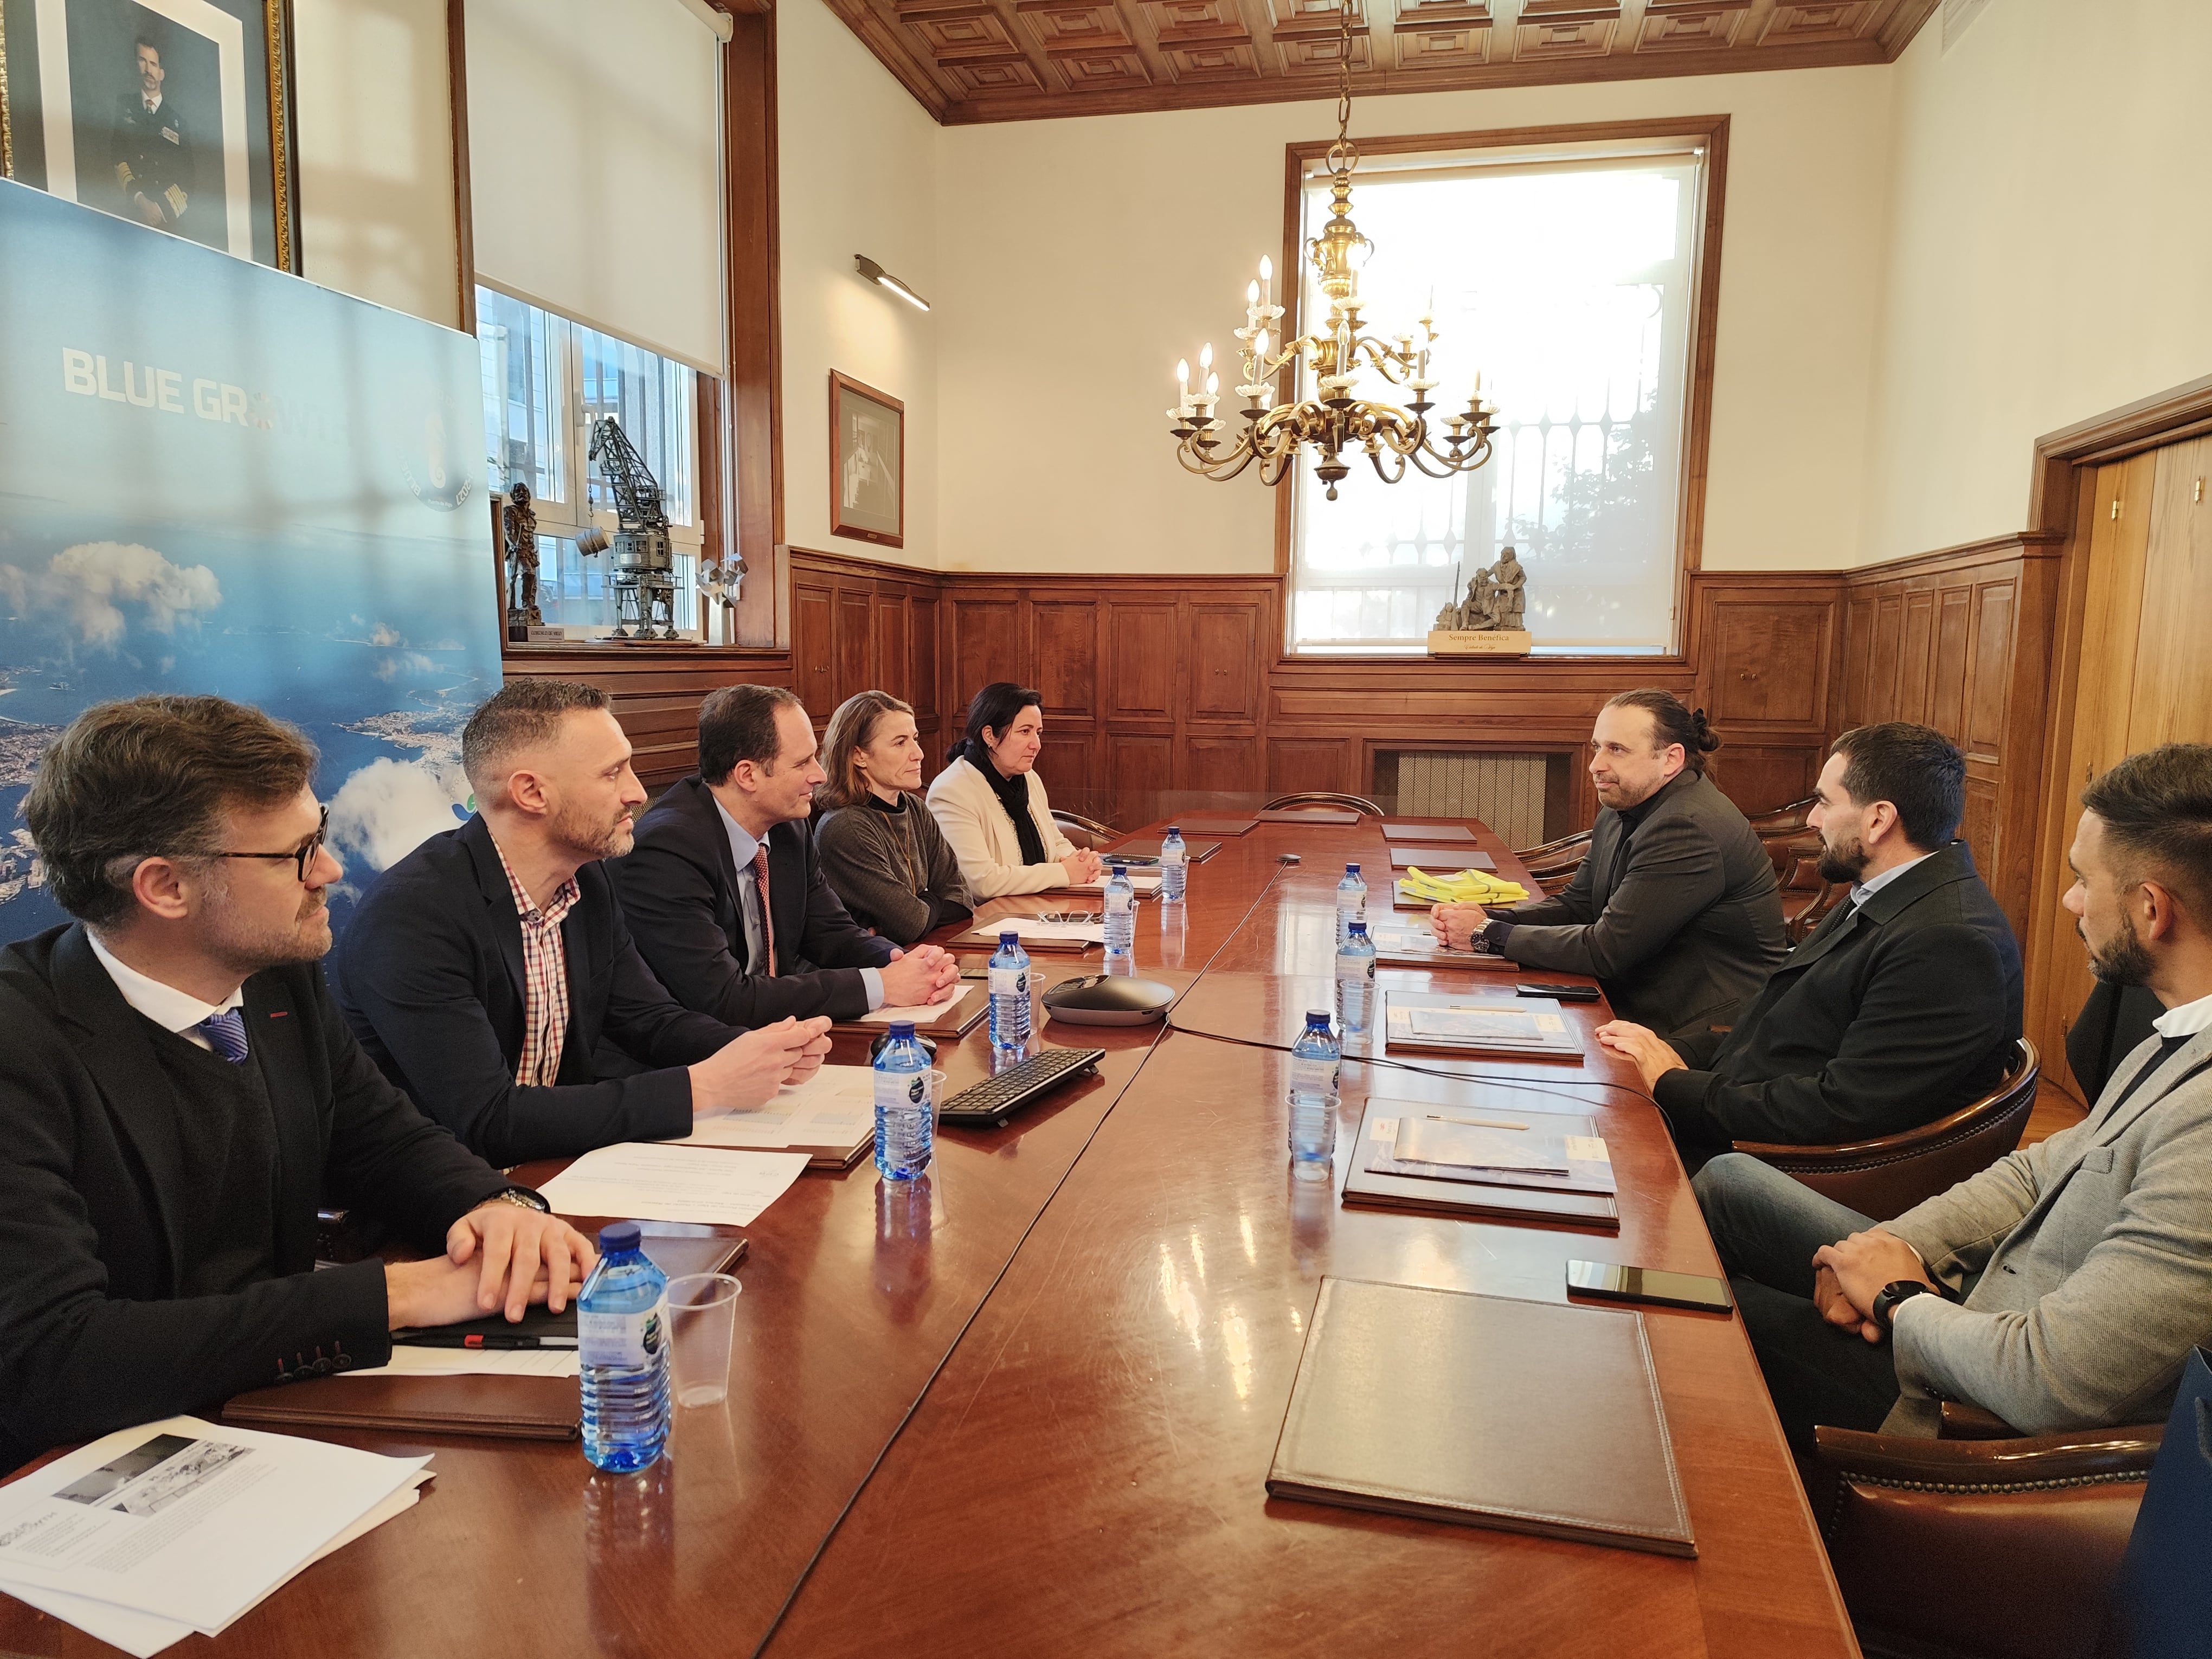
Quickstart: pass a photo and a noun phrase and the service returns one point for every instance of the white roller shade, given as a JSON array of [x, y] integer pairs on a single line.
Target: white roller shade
[[595, 166]]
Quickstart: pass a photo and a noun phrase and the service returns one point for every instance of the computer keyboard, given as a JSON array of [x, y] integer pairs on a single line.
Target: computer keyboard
[[989, 1103]]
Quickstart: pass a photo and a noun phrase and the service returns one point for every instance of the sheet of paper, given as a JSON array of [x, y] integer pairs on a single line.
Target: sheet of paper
[[188, 1521], [409, 1361], [1434, 1140], [1509, 1025], [1143, 881], [1404, 940], [830, 1109], [920, 1012], [655, 1182], [1035, 928]]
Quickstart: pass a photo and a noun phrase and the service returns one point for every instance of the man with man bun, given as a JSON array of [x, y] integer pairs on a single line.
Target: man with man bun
[[1675, 911]]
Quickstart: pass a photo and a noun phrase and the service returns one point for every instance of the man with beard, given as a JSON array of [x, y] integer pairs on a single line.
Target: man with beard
[[1674, 913], [178, 1094], [2062, 1287], [490, 974], [1902, 1006]]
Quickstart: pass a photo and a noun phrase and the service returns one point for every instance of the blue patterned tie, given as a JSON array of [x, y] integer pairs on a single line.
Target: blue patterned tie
[[226, 1033]]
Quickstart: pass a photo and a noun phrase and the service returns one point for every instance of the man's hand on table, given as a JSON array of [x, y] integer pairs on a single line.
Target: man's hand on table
[[1858, 1268], [1457, 926], [499, 1254], [748, 1070], [924, 974], [1652, 1057]]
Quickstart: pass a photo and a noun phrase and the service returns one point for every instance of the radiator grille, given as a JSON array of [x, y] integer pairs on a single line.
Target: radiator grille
[[1506, 792]]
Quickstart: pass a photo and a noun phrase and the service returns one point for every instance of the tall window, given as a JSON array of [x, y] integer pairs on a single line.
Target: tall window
[[547, 381], [1567, 275]]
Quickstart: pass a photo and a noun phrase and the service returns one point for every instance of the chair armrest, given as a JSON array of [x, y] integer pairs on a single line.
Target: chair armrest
[[1964, 1422], [1990, 1465]]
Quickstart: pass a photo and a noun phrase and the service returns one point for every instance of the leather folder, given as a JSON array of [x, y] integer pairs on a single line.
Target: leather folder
[[1499, 1198], [1535, 1417], [1211, 827], [1427, 832], [503, 1407], [1149, 846], [1441, 860], [1325, 814]]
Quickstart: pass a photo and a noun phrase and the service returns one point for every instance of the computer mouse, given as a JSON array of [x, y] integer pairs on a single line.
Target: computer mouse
[[1108, 999]]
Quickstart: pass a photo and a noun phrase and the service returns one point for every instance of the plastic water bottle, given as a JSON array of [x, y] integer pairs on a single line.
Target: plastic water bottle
[[1175, 867], [1355, 980], [904, 1129], [1313, 1099], [621, 1348], [1121, 923], [1010, 994], [1351, 903]]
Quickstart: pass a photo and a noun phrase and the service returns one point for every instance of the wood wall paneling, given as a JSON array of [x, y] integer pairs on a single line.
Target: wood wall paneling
[[1141, 656], [1063, 657], [856, 615], [814, 646], [1224, 662], [657, 690], [1222, 764], [1328, 764]]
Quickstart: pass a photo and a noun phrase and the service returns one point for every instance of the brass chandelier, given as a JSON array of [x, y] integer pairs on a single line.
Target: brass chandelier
[[1332, 421]]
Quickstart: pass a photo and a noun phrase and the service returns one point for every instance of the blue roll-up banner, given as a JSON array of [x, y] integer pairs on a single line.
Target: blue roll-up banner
[[216, 477]]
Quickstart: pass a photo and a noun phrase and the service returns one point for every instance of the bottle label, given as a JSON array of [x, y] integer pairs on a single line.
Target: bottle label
[[1118, 902], [1009, 982], [898, 1090], [626, 1340], [1313, 1077]]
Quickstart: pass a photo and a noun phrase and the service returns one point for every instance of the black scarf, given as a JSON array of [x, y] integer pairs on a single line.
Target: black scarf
[[1013, 795]]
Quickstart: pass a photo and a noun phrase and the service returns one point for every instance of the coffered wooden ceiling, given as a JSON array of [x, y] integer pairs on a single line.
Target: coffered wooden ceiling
[[1018, 60]]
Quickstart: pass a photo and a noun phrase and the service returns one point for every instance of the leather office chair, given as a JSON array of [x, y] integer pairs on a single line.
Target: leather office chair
[[1888, 1175], [1553, 865], [1082, 831], [1324, 798], [1979, 1548]]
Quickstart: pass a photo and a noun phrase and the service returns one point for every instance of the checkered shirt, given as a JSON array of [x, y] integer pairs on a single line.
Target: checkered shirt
[[544, 978]]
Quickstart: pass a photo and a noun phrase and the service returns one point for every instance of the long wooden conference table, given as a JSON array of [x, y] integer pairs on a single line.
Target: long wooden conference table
[[1028, 1405]]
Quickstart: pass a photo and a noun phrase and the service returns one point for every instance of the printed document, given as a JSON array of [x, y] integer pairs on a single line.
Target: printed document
[[921, 1013], [830, 1109], [185, 1522], [652, 1181]]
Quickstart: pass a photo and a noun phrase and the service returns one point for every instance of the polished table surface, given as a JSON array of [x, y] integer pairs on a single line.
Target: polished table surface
[[1030, 1403]]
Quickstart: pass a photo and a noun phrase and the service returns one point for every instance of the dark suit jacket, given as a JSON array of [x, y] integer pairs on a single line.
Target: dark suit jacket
[[93, 1335], [679, 890], [1684, 927], [430, 974], [1889, 1015], [2113, 1024]]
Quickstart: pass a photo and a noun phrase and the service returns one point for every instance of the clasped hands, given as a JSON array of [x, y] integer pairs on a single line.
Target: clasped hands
[[1457, 926], [521, 1257], [925, 974], [1848, 1276]]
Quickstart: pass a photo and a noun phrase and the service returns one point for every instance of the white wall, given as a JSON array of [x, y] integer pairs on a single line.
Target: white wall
[[856, 176], [375, 152], [1078, 258], [2049, 255]]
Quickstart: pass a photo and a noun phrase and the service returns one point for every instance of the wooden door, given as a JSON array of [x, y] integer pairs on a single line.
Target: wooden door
[[2144, 678]]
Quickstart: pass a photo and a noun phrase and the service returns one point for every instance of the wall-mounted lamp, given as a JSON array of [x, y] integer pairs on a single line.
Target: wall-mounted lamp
[[876, 273]]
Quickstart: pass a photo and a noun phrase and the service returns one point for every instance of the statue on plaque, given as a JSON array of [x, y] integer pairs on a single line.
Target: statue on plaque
[[519, 526], [1497, 599]]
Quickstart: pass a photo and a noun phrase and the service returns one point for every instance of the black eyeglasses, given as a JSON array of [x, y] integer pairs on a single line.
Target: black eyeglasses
[[302, 859]]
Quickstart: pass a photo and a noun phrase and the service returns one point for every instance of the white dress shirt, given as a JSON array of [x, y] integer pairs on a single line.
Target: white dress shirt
[[2187, 1020], [165, 1006], [743, 844]]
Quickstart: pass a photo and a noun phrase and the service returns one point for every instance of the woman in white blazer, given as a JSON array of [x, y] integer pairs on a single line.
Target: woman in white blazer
[[991, 805]]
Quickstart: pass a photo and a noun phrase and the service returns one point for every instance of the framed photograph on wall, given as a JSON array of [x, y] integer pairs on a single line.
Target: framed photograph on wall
[[867, 463], [174, 113]]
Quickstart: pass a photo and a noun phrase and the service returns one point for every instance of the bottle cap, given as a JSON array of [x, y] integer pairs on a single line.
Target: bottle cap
[[901, 1029], [1350, 869], [1120, 870], [1175, 828], [1359, 927], [1317, 1017], [619, 1236], [1009, 937]]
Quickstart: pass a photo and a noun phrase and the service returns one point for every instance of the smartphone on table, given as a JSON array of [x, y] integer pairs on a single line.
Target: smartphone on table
[[1617, 1283]]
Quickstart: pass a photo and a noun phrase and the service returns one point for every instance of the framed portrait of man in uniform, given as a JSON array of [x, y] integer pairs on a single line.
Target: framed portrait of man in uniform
[[172, 113], [867, 463]]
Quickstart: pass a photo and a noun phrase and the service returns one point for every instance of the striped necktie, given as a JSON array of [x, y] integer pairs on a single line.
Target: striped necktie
[[226, 1033], [766, 965]]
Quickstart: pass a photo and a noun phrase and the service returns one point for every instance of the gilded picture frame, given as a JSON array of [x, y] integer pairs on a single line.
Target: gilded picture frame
[[867, 463], [177, 113]]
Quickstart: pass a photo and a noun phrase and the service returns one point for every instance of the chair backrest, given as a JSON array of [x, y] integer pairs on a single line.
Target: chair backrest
[[1324, 798], [2163, 1608], [1082, 831], [1886, 1176]]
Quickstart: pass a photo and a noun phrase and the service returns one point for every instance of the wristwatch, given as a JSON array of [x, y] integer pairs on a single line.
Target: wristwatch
[[523, 1199], [1886, 1300]]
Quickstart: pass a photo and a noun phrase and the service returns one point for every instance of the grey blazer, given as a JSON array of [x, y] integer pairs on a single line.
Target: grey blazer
[[1680, 931], [2087, 1260]]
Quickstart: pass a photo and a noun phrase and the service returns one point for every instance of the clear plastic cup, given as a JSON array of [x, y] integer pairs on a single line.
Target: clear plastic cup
[[936, 1107], [702, 1318]]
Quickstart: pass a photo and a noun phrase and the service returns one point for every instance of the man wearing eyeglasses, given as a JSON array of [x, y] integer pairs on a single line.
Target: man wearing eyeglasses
[[178, 1093]]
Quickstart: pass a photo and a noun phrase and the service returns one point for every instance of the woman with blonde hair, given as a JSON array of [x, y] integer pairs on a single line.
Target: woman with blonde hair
[[881, 851]]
